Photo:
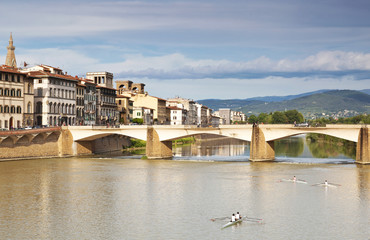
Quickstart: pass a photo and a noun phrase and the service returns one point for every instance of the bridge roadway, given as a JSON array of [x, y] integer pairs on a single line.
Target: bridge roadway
[[159, 137]]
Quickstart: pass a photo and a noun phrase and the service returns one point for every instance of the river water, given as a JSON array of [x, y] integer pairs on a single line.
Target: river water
[[123, 197]]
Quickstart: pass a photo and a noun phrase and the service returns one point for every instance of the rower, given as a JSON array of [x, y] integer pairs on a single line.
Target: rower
[[233, 218], [326, 183], [237, 216], [294, 179]]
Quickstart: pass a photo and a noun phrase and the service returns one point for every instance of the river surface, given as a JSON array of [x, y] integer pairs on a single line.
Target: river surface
[[124, 197]]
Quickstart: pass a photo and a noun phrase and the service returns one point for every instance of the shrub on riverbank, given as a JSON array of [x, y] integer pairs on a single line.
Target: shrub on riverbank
[[137, 143], [184, 140]]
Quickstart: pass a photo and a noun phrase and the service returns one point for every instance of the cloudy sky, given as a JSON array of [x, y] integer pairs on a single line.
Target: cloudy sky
[[198, 49]]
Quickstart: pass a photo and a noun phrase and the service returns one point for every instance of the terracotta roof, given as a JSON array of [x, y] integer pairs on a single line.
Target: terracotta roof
[[5, 68], [160, 99], [174, 108], [97, 86], [47, 74]]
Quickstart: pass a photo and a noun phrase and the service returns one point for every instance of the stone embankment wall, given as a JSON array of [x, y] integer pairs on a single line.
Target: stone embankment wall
[[53, 143]]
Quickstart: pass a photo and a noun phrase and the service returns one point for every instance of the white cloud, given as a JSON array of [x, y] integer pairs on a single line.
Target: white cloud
[[177, 65]]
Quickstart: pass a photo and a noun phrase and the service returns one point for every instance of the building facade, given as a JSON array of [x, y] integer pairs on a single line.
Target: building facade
[[54, 96], [16, 94], [15, 106], [106, 107], [189, 106]]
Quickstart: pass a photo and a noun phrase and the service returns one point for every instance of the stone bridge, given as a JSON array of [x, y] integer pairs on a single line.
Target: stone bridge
[[159, 137]]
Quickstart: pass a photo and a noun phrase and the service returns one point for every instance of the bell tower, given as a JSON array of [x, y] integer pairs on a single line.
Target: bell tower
[[10, 56]]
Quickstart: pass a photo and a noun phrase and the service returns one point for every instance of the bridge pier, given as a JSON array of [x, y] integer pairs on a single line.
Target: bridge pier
[[260, 150], [155, 149], [363, 147]]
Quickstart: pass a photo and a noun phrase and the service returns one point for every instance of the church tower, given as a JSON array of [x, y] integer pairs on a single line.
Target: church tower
[[10, 56]]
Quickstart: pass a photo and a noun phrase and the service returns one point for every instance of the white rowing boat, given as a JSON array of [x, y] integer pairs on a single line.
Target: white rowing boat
[[294, 181], [326, 185], [232, 223]]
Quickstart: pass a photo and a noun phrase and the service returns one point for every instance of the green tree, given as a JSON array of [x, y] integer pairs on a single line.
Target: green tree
[[252, 119], [139, 121], [279, 117], [263, 118], [294, 116]]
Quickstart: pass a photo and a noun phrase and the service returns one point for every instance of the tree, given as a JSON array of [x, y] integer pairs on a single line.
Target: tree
[[294, 116], [279, 117], [139, 121], [252, 119], [263, 118]]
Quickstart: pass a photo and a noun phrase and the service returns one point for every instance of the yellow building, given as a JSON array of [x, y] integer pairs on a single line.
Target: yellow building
[[157, 104]]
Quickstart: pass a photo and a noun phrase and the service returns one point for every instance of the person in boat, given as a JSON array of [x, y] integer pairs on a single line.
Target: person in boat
[[233, 218], [294, 179], [326, 183]]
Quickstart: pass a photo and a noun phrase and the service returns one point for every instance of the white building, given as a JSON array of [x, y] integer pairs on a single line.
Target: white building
[[177, 115], [55, 96], [189, 106]]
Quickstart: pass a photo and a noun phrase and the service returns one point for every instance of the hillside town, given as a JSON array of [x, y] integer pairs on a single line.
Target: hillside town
[[45, 96]]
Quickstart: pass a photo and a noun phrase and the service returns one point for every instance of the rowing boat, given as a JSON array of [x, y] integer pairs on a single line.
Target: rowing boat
[[326, 185], [294, 181], [232, 223]]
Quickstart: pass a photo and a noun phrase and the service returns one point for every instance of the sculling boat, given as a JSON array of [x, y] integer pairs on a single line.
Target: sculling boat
[[294, 181], [232, 223], [327, 185]]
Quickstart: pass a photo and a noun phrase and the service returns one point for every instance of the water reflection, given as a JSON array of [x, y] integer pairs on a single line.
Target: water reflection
[[322, 146], [290, 147], [303, 147]]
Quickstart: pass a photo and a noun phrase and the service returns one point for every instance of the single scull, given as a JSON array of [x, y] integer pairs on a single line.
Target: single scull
[[294, 181]]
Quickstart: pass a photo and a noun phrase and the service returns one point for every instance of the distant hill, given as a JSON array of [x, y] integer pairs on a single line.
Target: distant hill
[[337, 103], [367, 91], [238, 103]]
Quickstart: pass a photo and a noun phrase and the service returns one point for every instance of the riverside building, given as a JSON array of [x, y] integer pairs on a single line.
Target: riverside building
[[55, 96], [16, 94], [106, 107]]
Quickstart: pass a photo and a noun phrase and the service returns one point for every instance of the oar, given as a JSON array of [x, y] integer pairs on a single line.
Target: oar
[[253, 219], [334, 184], [220, 218]]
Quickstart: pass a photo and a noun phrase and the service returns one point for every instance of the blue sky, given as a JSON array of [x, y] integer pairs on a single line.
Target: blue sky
[[199, 49]]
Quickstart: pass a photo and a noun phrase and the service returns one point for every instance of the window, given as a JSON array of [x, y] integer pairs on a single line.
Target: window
[[6, 109], [39, 91], [29, 107], [19, 93], [13, 78], [1, 91], [6, 77], [18, 78], [19, 109], [12, 93], [12, 109], [1, 109], [40, 80], [138, 114], [1, 76]]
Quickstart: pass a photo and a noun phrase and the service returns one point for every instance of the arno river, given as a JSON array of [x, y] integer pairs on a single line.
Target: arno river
[[123, 197]]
